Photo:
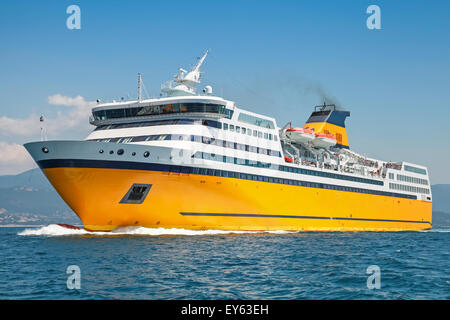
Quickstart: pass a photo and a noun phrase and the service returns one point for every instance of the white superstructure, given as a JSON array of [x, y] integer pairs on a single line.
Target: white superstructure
[[215, 133]]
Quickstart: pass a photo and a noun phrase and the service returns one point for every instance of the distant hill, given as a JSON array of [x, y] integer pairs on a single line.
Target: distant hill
[[32, 178], [28, 198], [441, 219], [441, 197]]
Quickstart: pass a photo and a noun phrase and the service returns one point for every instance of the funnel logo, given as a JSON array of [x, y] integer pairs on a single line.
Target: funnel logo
[[374, 20]]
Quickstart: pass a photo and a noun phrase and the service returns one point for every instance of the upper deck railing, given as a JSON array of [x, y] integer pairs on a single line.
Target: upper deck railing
[[188, 115]]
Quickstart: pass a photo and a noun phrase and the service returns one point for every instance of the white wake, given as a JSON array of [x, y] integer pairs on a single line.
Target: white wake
[[54, 230], [436, 230]]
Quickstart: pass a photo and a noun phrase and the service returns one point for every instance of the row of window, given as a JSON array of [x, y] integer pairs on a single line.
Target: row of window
[[252, 163], [249, 132], [193, 138], [254, 177], [208, 123], [141, 111], [415, 169], [403, 178], [395, 186]]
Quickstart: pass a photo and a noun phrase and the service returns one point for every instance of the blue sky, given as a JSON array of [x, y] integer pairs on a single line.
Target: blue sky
[[276, 58]]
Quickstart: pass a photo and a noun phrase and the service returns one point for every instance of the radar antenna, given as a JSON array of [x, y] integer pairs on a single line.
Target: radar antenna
[[192, 77], [186, 81], [139, 87]]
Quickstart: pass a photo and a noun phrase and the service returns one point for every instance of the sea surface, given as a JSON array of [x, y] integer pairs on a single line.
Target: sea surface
[[142, 263]]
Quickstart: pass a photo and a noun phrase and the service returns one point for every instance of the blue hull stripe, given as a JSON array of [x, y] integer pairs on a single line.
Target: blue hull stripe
[[245, 215], [102, 164]]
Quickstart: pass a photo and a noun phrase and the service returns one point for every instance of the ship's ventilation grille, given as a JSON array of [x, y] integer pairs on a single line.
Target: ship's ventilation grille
[[136, 194]]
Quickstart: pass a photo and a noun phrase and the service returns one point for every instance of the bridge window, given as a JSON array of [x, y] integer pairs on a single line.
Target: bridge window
[[244, 117], [117, 113]]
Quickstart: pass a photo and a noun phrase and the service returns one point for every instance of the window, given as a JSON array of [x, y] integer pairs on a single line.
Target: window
[[255, 133], [412, 179], [244, 130], [259, 134], [212, 123], [238, 129], [209, 123], [249, 132], [136, 194], [231, 127], [194, 138], [266, 135], [194, 107], [225, 126], [244, 117], [415, 170], [270, 136]]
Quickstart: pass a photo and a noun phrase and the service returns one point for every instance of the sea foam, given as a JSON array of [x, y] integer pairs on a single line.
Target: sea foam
[[54, 230]]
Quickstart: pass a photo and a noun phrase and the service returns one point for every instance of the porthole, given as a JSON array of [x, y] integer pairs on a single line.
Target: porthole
[[45, 150], [133, 154], [120, 152], [146, 154], [100, 151], [111, 152]]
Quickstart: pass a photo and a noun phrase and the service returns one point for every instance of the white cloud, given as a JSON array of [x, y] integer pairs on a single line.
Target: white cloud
[[23, 127], [60, 100], [75, 116], [13, 157]]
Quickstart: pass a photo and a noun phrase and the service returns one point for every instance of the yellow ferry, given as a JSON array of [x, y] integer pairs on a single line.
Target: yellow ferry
[[197, 161]]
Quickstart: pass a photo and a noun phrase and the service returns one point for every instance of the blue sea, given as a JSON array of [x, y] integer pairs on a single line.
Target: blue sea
[[142, 263]]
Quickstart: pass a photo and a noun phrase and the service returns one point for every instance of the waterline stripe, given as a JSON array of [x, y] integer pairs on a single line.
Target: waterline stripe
[[248, 215]]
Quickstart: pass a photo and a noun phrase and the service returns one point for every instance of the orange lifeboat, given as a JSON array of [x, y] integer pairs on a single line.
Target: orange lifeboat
[[287, 159], [300, 135], [324, 140]]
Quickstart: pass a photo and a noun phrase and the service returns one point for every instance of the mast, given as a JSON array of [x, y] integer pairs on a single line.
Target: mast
[[139, 87], [200, 62]]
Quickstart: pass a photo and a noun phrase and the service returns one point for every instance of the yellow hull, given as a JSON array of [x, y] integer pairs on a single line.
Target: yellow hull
[[199, 202]]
